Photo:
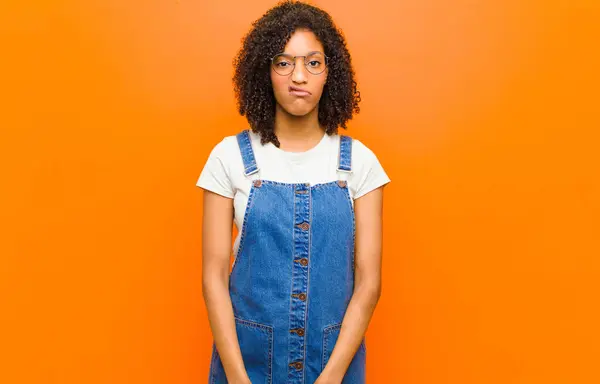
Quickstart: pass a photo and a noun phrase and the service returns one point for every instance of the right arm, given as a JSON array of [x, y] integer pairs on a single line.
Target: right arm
[[216, 246]]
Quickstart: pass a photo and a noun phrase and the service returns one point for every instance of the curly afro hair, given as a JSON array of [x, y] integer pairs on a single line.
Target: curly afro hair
[[268, 37]]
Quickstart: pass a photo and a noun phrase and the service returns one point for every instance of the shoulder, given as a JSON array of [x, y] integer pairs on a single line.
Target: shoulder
[[226, 154], [361, 149], [226, 148], [367, 171], [362, 155]]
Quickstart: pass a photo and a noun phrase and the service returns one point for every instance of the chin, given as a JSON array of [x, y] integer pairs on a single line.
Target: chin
[[296, 113], [299, 111]]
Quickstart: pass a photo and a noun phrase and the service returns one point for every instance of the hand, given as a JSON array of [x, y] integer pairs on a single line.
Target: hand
[[242, 381], [325, 379]]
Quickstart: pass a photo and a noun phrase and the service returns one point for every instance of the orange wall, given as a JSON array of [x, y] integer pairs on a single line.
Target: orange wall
[[480, 111]]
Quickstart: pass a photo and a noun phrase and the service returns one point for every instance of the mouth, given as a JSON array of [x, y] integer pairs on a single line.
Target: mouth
[[298, 91]]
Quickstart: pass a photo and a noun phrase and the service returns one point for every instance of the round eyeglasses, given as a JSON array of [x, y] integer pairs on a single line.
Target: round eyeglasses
[[284, 64]]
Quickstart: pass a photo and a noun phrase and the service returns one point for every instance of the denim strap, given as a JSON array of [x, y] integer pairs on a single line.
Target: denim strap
[[243, 139], [345, 154]]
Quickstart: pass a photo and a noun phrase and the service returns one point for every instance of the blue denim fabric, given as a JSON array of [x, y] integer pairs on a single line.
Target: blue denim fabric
[[293, 277]]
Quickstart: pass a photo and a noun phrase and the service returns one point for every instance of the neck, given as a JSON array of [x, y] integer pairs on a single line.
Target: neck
[[298, 132]]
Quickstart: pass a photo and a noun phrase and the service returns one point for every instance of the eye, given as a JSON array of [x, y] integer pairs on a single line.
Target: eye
[[314, 63]]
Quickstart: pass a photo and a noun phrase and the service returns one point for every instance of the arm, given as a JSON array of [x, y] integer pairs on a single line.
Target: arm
[[216, 246], [367, 285]]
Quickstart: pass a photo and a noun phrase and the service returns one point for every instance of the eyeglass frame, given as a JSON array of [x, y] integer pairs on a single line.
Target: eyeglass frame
[[305, 64]]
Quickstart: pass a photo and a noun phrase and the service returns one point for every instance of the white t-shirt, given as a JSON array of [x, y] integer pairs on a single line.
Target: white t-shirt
[[223, 172]]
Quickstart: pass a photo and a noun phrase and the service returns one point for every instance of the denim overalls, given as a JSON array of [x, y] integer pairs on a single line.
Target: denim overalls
[[293, 276]]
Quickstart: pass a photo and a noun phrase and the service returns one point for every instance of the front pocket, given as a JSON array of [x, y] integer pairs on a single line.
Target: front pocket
[[356, 373], [256, 344]]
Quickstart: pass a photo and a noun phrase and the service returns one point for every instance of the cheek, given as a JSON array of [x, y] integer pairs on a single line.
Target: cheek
[[321, 85], [318, 90], [279, 83]]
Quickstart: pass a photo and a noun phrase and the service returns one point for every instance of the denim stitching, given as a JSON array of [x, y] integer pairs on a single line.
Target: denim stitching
[[321, 185], [211, 369], [270, 356], [243, 141], [253, 324], [291, 185], [324, 348], [244, 226], [307, 283], [345, 149], [347, 198], [248, 151], [293, 256], [326, 332], [268, 329]]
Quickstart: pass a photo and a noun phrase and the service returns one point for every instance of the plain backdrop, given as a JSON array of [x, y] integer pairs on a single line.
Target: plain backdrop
[[483, 113]]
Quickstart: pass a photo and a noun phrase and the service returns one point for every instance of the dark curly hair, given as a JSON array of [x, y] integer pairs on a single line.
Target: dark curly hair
[[268, 37]]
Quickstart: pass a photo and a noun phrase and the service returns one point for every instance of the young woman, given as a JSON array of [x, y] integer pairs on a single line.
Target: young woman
[[308, 204]]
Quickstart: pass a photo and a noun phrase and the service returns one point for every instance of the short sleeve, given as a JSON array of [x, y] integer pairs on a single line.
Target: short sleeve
[[215, 174], [369, 173]]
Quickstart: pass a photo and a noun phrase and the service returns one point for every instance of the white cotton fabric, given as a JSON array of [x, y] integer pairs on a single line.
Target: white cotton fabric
[[223, 172]]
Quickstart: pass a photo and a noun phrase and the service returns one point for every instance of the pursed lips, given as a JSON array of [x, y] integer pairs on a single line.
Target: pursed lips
[[298, 91]]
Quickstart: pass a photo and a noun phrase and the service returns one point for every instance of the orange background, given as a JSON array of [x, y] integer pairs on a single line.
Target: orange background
[[481, 112]]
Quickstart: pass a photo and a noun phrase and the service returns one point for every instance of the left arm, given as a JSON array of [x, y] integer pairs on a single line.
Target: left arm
[[367, 285]]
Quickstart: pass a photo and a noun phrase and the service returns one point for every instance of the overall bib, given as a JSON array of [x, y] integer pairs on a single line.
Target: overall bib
[[293, 276]]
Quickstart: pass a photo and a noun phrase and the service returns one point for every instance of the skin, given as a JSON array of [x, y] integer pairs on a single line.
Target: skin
[[298, 129], [296, 118]]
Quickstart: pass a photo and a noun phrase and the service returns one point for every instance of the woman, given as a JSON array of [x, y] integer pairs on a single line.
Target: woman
[[308, 205]]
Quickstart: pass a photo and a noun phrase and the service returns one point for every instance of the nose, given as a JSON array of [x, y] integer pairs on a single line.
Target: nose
[[299, 74]]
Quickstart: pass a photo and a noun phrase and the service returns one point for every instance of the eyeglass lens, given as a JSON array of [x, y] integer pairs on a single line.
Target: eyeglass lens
[[284, 64]]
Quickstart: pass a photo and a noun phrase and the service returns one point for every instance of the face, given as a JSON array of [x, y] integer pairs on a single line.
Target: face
[[299, 103]]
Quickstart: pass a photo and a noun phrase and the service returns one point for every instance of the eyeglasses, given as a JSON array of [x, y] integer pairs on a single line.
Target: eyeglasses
[[284, 64]]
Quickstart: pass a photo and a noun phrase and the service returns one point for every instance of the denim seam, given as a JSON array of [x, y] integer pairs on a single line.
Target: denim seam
[[347, 198], [326, 332], [212, 365], [248, 152], [268, 329], [271, 337], [310, 211], [292, 185], [249, 204], [254, 324], [345, 148], [292, 280]]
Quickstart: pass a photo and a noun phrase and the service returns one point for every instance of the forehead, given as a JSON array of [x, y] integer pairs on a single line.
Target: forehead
[[301, 42]]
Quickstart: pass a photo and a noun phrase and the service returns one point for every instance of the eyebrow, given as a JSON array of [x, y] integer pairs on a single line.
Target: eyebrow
[[309, 53]]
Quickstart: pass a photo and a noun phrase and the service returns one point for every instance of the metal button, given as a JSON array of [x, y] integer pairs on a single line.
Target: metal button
[[297, 365], [300, 191], [300, 332], [342, 183], [301, 296], [257, 183], [304, 226], [303, 261]]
